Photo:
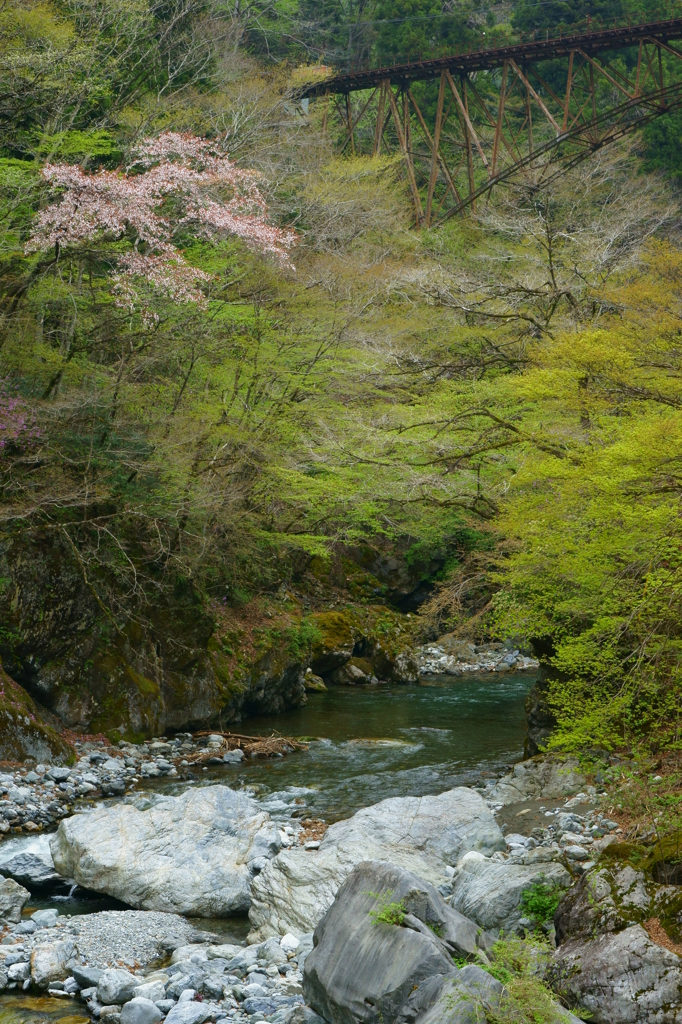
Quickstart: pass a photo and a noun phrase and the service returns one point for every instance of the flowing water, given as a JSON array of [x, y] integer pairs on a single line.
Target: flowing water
[[378, 742], [366, 744]]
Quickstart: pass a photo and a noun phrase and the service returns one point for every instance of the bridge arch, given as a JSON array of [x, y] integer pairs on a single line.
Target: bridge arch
[[498, 115]]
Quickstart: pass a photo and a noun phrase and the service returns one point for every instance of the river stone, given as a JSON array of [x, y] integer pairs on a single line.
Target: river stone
[[363, 969], [540, 778], [226, 951], [49, 962], [490, 893], [140, 1011], [422, 834], [87, 977], [45, 918], [620, 979], [151, 990], [303, 1015], [116, 986], [30, 869], [19, 972], [188, 1013], [194, 854], [13, 897]]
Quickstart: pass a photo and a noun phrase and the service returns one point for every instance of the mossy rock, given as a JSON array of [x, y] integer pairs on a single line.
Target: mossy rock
[[23, 735], [336, 641], [661, 861], [630, 885]]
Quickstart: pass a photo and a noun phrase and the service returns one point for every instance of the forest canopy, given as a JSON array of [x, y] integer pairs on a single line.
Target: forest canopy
[[511, 378]]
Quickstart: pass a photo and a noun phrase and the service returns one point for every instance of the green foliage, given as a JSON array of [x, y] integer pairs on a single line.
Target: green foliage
[[663, 144], [519, 964], [599, 513], [69, 146], [300, 639], [387, 912], [540, 901]]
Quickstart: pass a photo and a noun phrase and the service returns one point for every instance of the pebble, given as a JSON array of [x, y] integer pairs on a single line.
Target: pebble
[[435, 660], [37, 797]]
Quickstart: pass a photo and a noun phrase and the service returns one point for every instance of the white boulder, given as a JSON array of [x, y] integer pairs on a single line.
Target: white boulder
[[194, 854], [421, 834], [490, 892]]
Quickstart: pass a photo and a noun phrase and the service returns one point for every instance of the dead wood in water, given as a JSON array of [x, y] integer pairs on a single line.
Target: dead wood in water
[[261, 746]]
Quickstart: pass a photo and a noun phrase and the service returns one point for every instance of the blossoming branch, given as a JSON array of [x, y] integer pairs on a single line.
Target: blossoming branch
[[175, 181]]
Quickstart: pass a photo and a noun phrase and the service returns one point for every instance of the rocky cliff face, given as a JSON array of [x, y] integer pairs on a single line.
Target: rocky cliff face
[[161, 671], [180, 663], [24, 733]]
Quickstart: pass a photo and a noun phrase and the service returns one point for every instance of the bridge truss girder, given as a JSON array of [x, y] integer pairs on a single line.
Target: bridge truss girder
[[511, 125]]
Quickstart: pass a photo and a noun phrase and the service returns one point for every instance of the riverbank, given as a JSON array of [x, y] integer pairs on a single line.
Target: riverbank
[[115, 964], [198, 833], [362, 744]]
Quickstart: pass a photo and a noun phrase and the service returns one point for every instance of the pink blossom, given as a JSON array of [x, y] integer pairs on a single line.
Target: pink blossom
[[174, 180], [17, 424]]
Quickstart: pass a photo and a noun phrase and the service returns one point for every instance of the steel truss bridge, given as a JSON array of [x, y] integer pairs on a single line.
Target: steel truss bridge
[[532, 109]]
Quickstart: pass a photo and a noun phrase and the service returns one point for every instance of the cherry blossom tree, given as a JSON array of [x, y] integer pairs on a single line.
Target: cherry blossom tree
[[174, 183]]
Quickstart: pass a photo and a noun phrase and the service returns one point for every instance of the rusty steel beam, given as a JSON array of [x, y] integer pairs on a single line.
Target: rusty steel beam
[[644, 109], [490, 146], [433, 174], [407, 156], [484, 59]]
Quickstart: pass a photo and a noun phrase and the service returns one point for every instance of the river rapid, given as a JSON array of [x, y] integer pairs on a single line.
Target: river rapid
[[378, 742]]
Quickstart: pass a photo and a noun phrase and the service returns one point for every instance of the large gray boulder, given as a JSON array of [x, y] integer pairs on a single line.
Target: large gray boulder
[[27, 859], [383, 952], [422, 834], [29, 869], [374, 945], [490, 892], [546, 778], [620, 979], [195, 854], [13, 898], [607, 899]]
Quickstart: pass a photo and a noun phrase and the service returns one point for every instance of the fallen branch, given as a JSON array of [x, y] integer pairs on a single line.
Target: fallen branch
[[260, 746]]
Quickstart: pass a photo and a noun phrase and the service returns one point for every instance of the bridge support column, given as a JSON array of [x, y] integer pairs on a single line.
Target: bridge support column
[[380, 125], [416, 199], [435, 148], [500, 119], [349, 115]]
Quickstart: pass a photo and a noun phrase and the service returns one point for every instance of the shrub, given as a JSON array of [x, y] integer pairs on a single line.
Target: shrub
[[540, 901], [387, 912]]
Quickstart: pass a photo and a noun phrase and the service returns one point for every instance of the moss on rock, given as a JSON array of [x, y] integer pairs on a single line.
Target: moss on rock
[[23, 735]]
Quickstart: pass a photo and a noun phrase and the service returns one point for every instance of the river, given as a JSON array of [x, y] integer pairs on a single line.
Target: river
[[378, 742], [366, 744]]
